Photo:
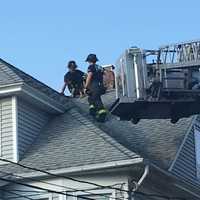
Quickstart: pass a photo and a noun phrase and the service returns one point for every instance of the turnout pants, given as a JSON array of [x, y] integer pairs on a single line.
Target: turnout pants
[[96, 106], [94, 98]]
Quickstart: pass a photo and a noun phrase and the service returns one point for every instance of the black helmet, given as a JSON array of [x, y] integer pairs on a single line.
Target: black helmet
[[91, 58], [71, 64]]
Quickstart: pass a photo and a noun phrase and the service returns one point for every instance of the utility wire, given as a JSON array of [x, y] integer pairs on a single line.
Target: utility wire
[[91, 183], [41, 188], [16, 194], [27, 195], [62, 176], [65, 187], [32, 193]]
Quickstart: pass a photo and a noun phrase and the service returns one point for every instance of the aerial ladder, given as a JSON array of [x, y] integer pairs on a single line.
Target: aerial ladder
[[158, 84]]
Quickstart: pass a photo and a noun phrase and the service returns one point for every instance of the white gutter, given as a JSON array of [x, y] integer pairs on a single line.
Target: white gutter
[[146, 172], [13, 89], [142, 178], [10, 88], [43, 98], [84, 168]]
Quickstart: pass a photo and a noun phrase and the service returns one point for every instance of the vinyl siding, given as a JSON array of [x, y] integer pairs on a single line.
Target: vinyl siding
[[30, 122], [185, 164], [6, 129], [55, 197]]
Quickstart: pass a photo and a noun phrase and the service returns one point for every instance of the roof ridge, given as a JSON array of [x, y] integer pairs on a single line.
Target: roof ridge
[[34, 83], [2, 69], [16, 70], [82, 119]]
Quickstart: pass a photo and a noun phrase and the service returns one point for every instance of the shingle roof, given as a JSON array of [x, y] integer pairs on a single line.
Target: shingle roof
[[67, 142], [155, 140], [70, 140], [12, 75]]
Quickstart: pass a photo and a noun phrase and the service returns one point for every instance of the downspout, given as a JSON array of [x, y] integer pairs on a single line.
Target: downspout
[[136, 185], [146, 172]]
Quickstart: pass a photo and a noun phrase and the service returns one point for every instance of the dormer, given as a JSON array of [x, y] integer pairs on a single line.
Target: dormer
[[26, 105]]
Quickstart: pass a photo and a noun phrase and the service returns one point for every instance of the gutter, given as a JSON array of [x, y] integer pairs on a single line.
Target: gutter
[[146, 172], [85, 168], [135, 185], [43, 98], [23, 88], [10, 88]]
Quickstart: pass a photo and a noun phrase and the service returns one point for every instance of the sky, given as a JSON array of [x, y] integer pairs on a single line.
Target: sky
[[41, 36]]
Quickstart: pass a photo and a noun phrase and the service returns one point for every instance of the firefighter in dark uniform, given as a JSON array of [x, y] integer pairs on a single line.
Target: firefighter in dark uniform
[[95, 88], [74, 79]]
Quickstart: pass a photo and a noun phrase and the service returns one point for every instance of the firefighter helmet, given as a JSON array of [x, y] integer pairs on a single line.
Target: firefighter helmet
[[91, 58], [72, 64]]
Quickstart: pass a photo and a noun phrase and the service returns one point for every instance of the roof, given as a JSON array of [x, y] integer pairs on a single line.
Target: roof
[[12, 75], [155, 140], [70, 140], [73, 139]]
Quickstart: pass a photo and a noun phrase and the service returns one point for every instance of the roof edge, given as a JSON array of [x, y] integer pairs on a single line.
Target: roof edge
[[182, 143], [44, 99], [23, 89], [16, 68], [85, 168], [177, 182]]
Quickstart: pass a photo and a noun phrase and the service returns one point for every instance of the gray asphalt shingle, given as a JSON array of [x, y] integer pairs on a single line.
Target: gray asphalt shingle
[[12, 75], [155, 140], [72, 139]]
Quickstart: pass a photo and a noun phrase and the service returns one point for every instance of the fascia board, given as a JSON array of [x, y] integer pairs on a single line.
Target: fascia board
[[85, 168], [15, 89]]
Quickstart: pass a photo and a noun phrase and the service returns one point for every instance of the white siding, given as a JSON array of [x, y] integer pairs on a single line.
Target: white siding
[[185, 166], [197, 151], [103, 178], [30, 122], [6, 129]]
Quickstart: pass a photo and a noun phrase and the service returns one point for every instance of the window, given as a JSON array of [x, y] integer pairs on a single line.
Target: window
[[197, 151]]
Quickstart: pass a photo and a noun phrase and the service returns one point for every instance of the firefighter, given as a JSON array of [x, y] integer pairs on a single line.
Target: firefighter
[[74, 79], [95, 88]]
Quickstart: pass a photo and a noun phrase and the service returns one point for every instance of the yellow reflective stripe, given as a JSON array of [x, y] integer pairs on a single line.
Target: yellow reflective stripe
[[91, 106], [102, 111]]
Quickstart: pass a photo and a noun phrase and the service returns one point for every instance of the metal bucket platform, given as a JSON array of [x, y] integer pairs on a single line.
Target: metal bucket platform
[[128, 109]]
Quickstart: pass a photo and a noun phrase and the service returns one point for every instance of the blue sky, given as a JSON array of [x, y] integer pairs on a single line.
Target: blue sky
[[40, 36]]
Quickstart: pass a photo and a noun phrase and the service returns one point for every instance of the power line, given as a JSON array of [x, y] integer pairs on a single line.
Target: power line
[[28, 195], [32, 179], [62, 176], [91, 183], [32, 193], [65, 187], [16, 194], [41, 188]]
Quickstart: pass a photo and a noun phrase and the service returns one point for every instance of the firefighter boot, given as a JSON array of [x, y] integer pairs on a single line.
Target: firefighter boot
[[101, 115], [92, 110]]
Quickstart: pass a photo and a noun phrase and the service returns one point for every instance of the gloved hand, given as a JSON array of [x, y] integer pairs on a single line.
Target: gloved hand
[[87, 91]]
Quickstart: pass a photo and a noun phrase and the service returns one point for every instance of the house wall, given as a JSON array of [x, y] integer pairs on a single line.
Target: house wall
[[20, 123], [6, 128], [118, 179], [30, 122], [103, 179], [184, 167]]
